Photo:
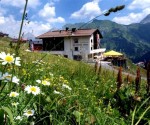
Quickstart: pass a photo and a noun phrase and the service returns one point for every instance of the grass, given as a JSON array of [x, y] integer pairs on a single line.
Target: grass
[[133, 68], [76, 94]]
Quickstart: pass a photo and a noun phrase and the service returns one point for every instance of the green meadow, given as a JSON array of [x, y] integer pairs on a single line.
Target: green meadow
[[43, 89]]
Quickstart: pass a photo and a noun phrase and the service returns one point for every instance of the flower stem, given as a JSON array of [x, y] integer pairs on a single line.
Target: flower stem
[[19, 38]]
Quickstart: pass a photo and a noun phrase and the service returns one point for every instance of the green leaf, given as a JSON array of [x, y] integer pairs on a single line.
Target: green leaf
[[77, 114], [48, 99], [8, 111]]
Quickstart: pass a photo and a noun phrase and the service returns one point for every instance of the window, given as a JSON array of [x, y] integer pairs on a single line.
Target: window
[[91, 48], [66, 56], [76, 40], [91, 42], [77, 57], [53, 44], [89, 56], [76, 48]]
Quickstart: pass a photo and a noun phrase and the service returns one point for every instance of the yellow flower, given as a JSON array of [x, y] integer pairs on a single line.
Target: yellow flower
[[66, 81], [61, 78], [43, 82]]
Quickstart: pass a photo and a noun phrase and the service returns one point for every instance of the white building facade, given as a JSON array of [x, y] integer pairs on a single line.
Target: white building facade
[[74, 44]]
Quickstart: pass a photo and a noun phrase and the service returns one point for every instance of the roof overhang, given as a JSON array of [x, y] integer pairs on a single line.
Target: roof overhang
[[99, 50]]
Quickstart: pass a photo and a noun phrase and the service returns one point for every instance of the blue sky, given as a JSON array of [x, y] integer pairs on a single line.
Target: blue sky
[[49, 14]]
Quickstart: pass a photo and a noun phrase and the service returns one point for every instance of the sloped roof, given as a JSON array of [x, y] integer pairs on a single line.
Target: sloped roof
[[64, 33]]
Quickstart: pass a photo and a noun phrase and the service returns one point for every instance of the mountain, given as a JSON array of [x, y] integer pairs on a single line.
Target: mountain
[[146, 20], [145, 57], [133, 40], [29, 36]]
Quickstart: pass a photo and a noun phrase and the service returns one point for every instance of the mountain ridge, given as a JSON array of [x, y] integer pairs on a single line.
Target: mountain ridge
[[146, 19]]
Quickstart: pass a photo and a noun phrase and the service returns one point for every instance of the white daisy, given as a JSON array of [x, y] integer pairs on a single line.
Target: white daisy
[[7, 77], [17, 61], [29, 113], [35, 90], [9, 59], [15, 80], [6, 58], [13, 94], [66, 86], [57, 92], [43, 82]]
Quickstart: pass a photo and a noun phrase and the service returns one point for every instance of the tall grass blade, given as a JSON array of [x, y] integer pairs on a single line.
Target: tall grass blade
[[142, 115], [143, 104], [133, 115]]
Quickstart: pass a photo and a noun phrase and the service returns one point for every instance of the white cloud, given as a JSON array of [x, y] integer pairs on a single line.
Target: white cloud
[[56, 20], [2, 21], [48, 13], [21, 3], [88, 10], [139, 4], [132, 17], [11, 26], [143, 5], [36, 28]]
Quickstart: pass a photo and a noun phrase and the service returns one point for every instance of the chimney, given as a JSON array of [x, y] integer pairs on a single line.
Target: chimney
[[73, 29], [67, 28]]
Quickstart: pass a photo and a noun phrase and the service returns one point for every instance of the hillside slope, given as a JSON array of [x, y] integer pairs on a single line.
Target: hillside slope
[[66, 92]]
